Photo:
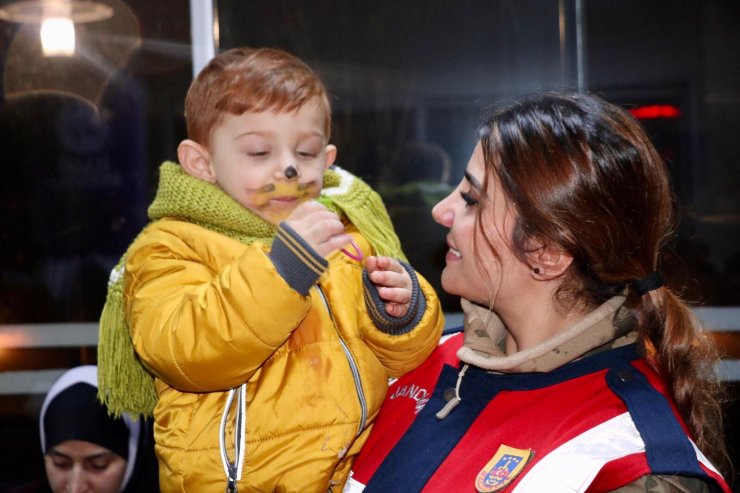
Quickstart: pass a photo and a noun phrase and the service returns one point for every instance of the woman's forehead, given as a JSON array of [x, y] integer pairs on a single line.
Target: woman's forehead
[[475, 171]]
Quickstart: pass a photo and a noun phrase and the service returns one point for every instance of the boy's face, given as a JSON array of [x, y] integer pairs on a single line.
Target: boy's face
[[271, 162]]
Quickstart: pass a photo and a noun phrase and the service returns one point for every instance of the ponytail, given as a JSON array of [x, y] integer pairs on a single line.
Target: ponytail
[[685, 355]]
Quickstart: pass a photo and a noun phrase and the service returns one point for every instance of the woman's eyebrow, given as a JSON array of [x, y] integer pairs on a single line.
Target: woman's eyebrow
[[56, 453], [473, 181], [99, 455]]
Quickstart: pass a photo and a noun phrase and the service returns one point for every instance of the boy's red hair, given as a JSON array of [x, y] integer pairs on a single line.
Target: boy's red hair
[[250, 79]]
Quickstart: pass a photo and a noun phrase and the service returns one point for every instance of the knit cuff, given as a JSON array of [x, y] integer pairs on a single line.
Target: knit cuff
[[376, 306], [295, 260]]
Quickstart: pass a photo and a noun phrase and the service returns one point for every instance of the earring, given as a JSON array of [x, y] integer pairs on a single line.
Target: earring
[[536, 270], [291, 172]]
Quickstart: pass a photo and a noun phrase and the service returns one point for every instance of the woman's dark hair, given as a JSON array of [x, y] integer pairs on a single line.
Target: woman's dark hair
[[583, 175]]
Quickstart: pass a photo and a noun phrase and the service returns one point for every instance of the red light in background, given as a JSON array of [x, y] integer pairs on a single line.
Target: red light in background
[[652, 111]]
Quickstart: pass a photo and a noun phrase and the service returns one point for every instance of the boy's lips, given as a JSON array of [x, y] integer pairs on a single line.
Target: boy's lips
[[286, 189], [280, 201], [281, 195]]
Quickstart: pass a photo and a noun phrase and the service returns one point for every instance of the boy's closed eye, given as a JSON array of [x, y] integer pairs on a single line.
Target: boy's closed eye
[[310, 147], [260, 153], [254, 145]]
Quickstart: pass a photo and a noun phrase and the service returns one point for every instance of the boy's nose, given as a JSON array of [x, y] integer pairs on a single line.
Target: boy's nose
[[291, 172], [287, 169]]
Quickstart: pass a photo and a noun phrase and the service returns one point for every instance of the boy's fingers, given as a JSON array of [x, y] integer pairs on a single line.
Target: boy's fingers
[[371, 264], [400, 296], [391, 279], [381, 263], [390, 264], [337, 241], [306, 208], [396, 310], [317, 226]]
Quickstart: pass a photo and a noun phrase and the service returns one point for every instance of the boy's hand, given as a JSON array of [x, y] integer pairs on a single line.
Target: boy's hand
[[393, 282], [319, 227]]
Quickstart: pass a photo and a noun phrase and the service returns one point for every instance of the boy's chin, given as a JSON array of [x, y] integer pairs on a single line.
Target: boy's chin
[[274, 217]]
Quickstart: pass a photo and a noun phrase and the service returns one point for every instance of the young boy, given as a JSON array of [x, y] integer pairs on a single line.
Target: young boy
[[269, 338]]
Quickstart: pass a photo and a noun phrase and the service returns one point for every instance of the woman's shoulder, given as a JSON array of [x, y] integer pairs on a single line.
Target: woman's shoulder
[[446, 351], [665, 484], [426, 374]]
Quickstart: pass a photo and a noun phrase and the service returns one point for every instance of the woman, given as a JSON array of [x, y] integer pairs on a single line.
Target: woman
[[85, 449], [577, 370]]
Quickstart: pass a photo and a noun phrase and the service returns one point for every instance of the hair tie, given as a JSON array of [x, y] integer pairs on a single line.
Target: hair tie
[[652, 281]]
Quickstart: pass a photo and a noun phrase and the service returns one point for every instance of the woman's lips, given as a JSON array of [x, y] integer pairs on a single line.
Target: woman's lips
[[453, 255]]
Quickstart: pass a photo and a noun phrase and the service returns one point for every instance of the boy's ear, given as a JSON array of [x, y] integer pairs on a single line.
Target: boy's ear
[[195, 160], [549, 261], [331, 155]]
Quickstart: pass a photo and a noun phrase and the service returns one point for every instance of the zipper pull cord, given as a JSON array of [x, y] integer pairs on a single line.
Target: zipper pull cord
[[233, 470], [455, 399]]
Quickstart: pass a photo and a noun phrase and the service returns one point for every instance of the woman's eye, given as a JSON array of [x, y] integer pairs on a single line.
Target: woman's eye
[[100, 465], [62, 464], [469, 199]]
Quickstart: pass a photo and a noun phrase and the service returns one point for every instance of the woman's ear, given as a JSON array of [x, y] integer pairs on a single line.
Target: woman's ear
[[549, 261], [195, 160], [331, 155]]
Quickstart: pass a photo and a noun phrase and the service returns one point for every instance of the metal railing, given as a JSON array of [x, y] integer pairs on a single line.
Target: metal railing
[[725, 320]]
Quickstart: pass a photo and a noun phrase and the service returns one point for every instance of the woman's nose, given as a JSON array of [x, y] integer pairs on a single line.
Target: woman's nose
[[76, 480], [442, 213]]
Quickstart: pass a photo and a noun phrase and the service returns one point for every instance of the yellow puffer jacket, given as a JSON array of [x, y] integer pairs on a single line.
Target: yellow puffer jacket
[[208, 313]]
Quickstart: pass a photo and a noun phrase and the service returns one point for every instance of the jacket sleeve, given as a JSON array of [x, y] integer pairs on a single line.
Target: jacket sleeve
[[205, 313], [402, 351]]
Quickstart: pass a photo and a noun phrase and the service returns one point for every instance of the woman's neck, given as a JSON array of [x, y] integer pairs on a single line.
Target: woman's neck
[[542, 318], [486, 336]]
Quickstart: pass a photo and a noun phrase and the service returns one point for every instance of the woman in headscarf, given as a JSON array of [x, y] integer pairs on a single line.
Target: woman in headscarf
[[87, 450]]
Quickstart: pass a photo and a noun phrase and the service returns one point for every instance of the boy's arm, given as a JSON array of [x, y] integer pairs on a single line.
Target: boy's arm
[[203, 328], [402, 343]]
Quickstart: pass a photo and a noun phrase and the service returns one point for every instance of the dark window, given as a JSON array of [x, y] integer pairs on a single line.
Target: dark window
[[82, 137]]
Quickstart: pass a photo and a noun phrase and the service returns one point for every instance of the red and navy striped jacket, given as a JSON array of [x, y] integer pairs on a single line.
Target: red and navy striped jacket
[[593, 425]]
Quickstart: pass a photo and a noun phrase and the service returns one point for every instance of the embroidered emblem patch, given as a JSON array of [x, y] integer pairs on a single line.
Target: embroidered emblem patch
[[503, 467]]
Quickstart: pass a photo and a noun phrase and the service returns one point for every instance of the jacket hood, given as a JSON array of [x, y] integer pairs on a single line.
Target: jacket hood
[[609, 325]]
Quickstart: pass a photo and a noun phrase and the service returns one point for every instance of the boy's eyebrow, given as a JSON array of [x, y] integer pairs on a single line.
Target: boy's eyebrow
[[473, 181], [267, 133], [260, 133]]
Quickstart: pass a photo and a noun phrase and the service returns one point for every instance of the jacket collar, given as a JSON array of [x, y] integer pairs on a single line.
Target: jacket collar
[[609, 325]]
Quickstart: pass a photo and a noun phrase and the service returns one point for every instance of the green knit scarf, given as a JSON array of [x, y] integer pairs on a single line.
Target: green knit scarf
[[125, 385]]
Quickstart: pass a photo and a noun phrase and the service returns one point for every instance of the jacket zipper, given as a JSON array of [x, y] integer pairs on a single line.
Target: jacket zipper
[[352, 365]]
